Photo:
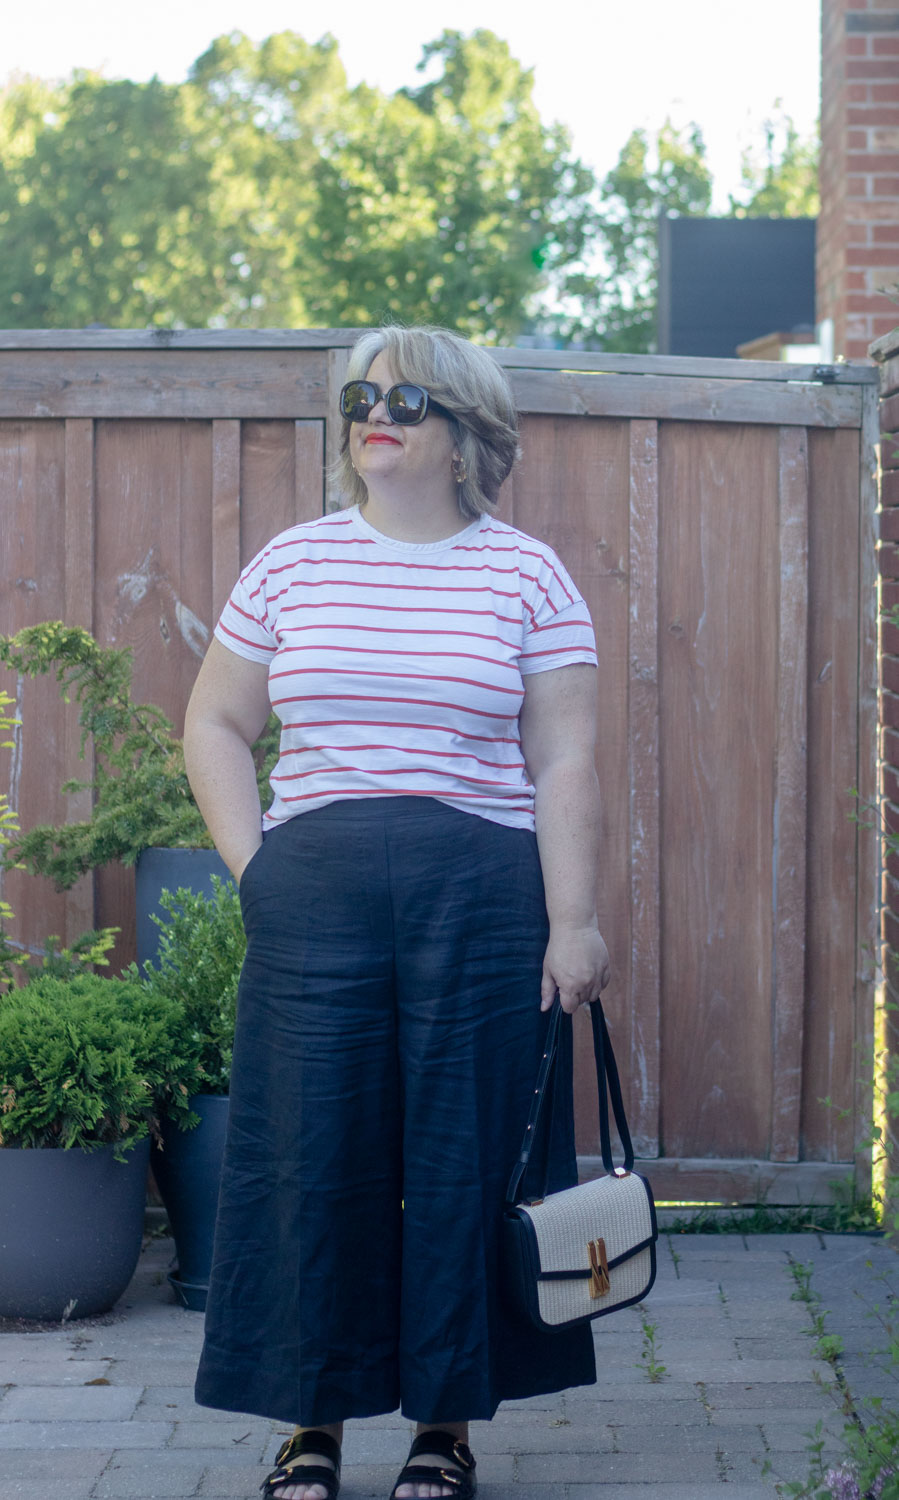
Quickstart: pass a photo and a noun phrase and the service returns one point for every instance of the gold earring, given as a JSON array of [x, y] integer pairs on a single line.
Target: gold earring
[[460, 473]]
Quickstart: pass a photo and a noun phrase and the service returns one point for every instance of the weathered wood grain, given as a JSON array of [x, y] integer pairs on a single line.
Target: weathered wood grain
[[78, 520], [268, 484], [693, 400], [643, 760], [682, 366], [736, 1181], [309, 460], [338, 359], [832, 955], [790, 799], [869, 851], [157, 383], [168, 339], [718, 668], [225, 512]]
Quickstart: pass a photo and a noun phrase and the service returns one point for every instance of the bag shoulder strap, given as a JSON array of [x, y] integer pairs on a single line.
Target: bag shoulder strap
[[608, 1086]]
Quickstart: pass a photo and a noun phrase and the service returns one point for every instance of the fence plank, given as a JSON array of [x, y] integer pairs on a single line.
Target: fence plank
[[790, 795], [869, 851], [225, 512], [657, 397], [156, 383], [681, 366], [309, 459], [177, 338], [338, 359], [643, 757], [833, 767], [79, 597]]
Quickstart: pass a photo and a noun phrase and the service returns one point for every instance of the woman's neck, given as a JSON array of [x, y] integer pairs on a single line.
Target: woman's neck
[[419, 520]]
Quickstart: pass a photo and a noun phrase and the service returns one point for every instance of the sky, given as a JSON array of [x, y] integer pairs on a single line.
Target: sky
[[601, 67]]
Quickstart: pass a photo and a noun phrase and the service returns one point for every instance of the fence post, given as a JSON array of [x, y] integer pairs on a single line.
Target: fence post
[[886, 351]]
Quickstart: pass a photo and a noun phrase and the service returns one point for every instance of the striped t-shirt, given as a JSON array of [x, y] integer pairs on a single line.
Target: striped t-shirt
[[396, 667]]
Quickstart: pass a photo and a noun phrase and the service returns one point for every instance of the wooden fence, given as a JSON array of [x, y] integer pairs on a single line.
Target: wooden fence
[[719, 517]]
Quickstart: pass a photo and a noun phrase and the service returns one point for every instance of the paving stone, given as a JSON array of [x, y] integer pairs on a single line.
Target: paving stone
[[61, 1371], [763, 1394], [688, 1491], [153, 1371], [687, 1439], [39, 1489], [44, 1468], [67, 1435], [656, 1468], [83, 1403], [149, 1480]]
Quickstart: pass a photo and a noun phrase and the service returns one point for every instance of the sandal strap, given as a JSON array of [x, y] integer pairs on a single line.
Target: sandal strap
[[301, 1443], [449, 1447]]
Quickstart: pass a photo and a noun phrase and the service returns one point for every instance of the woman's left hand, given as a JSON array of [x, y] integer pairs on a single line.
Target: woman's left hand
[[576, 964]]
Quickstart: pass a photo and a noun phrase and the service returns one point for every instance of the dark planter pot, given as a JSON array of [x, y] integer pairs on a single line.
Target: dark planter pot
[[70, 1229], [169, 869], [187, 1171]]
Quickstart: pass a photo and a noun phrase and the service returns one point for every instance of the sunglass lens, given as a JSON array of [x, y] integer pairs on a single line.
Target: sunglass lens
[[357, 400], [407, 404]]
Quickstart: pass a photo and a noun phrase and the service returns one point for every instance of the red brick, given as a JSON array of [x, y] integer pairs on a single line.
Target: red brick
[[857, 93], [857, 187], [885, 46], [889, 710], [890, 929], [885, 68], [876, 304], [889, 668], [871, 258], [890, 487], [883, 161], [872, 116], [889, 637], [886, 187], [885, 234], [855, 281], [856, 46], [889, 525], [891, 792], [884, 93], [891, 860], [888, 563], [856, 234], [857, 140]]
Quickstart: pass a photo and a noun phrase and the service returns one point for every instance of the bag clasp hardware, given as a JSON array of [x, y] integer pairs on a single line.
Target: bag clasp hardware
[[599, 1268]]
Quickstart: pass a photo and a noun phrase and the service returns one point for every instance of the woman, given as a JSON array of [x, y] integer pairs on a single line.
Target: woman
[[434, 673]]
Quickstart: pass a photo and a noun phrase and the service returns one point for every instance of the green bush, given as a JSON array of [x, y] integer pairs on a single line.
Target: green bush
[[85, 1061], [201, 950]]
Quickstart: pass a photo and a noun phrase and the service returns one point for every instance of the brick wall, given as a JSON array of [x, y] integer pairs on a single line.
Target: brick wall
[[858, 227]]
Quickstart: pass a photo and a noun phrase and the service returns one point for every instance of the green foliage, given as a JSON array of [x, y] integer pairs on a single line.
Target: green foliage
[[10, 958], [663, 174], [265, 192], [142, 797], [781, 180], [82, 1061], [201, 950]]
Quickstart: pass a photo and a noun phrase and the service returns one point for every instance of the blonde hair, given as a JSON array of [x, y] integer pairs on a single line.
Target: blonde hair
[[469, 384]]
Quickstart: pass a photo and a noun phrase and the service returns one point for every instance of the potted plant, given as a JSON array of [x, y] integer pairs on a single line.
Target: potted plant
[[83, 1061], [200, 953], [142, 798]]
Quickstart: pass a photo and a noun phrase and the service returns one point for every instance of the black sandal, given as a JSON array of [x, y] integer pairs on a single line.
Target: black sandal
[[462, 1480], [305, 1442]]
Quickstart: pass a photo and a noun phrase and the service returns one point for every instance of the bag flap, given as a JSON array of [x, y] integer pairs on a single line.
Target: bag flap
[[619, 1210]]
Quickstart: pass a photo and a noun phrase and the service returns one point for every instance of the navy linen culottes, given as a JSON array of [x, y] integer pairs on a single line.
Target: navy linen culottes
[[388, 1039]]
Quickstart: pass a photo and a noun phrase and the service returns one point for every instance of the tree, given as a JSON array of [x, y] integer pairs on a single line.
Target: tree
[[265, 192], [614, 307], [781, 180]]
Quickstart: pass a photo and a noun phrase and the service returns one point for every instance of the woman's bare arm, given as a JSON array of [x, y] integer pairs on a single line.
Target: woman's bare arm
[[558, 732], [226, 714]]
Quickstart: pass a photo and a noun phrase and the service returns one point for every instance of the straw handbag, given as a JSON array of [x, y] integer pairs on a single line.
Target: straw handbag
[[588, 1250]]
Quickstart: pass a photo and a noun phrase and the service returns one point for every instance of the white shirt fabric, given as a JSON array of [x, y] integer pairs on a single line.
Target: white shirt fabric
[[396, 667]]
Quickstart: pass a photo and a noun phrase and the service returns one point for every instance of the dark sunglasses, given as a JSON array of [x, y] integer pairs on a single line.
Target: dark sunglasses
[[405, 404]]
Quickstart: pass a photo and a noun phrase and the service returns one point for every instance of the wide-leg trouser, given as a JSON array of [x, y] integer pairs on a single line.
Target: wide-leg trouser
[[388, 1038]]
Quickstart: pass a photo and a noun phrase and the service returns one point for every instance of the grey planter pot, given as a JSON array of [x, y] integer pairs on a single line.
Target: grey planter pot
[[188, 1171], [70, 1230], [169, 869]]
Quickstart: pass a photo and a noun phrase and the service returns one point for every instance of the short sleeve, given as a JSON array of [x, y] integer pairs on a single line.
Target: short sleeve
[[558, 630], [243, 625]]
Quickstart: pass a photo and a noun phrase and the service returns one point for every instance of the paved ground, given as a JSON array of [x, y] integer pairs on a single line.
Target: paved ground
[[105, 1411]]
